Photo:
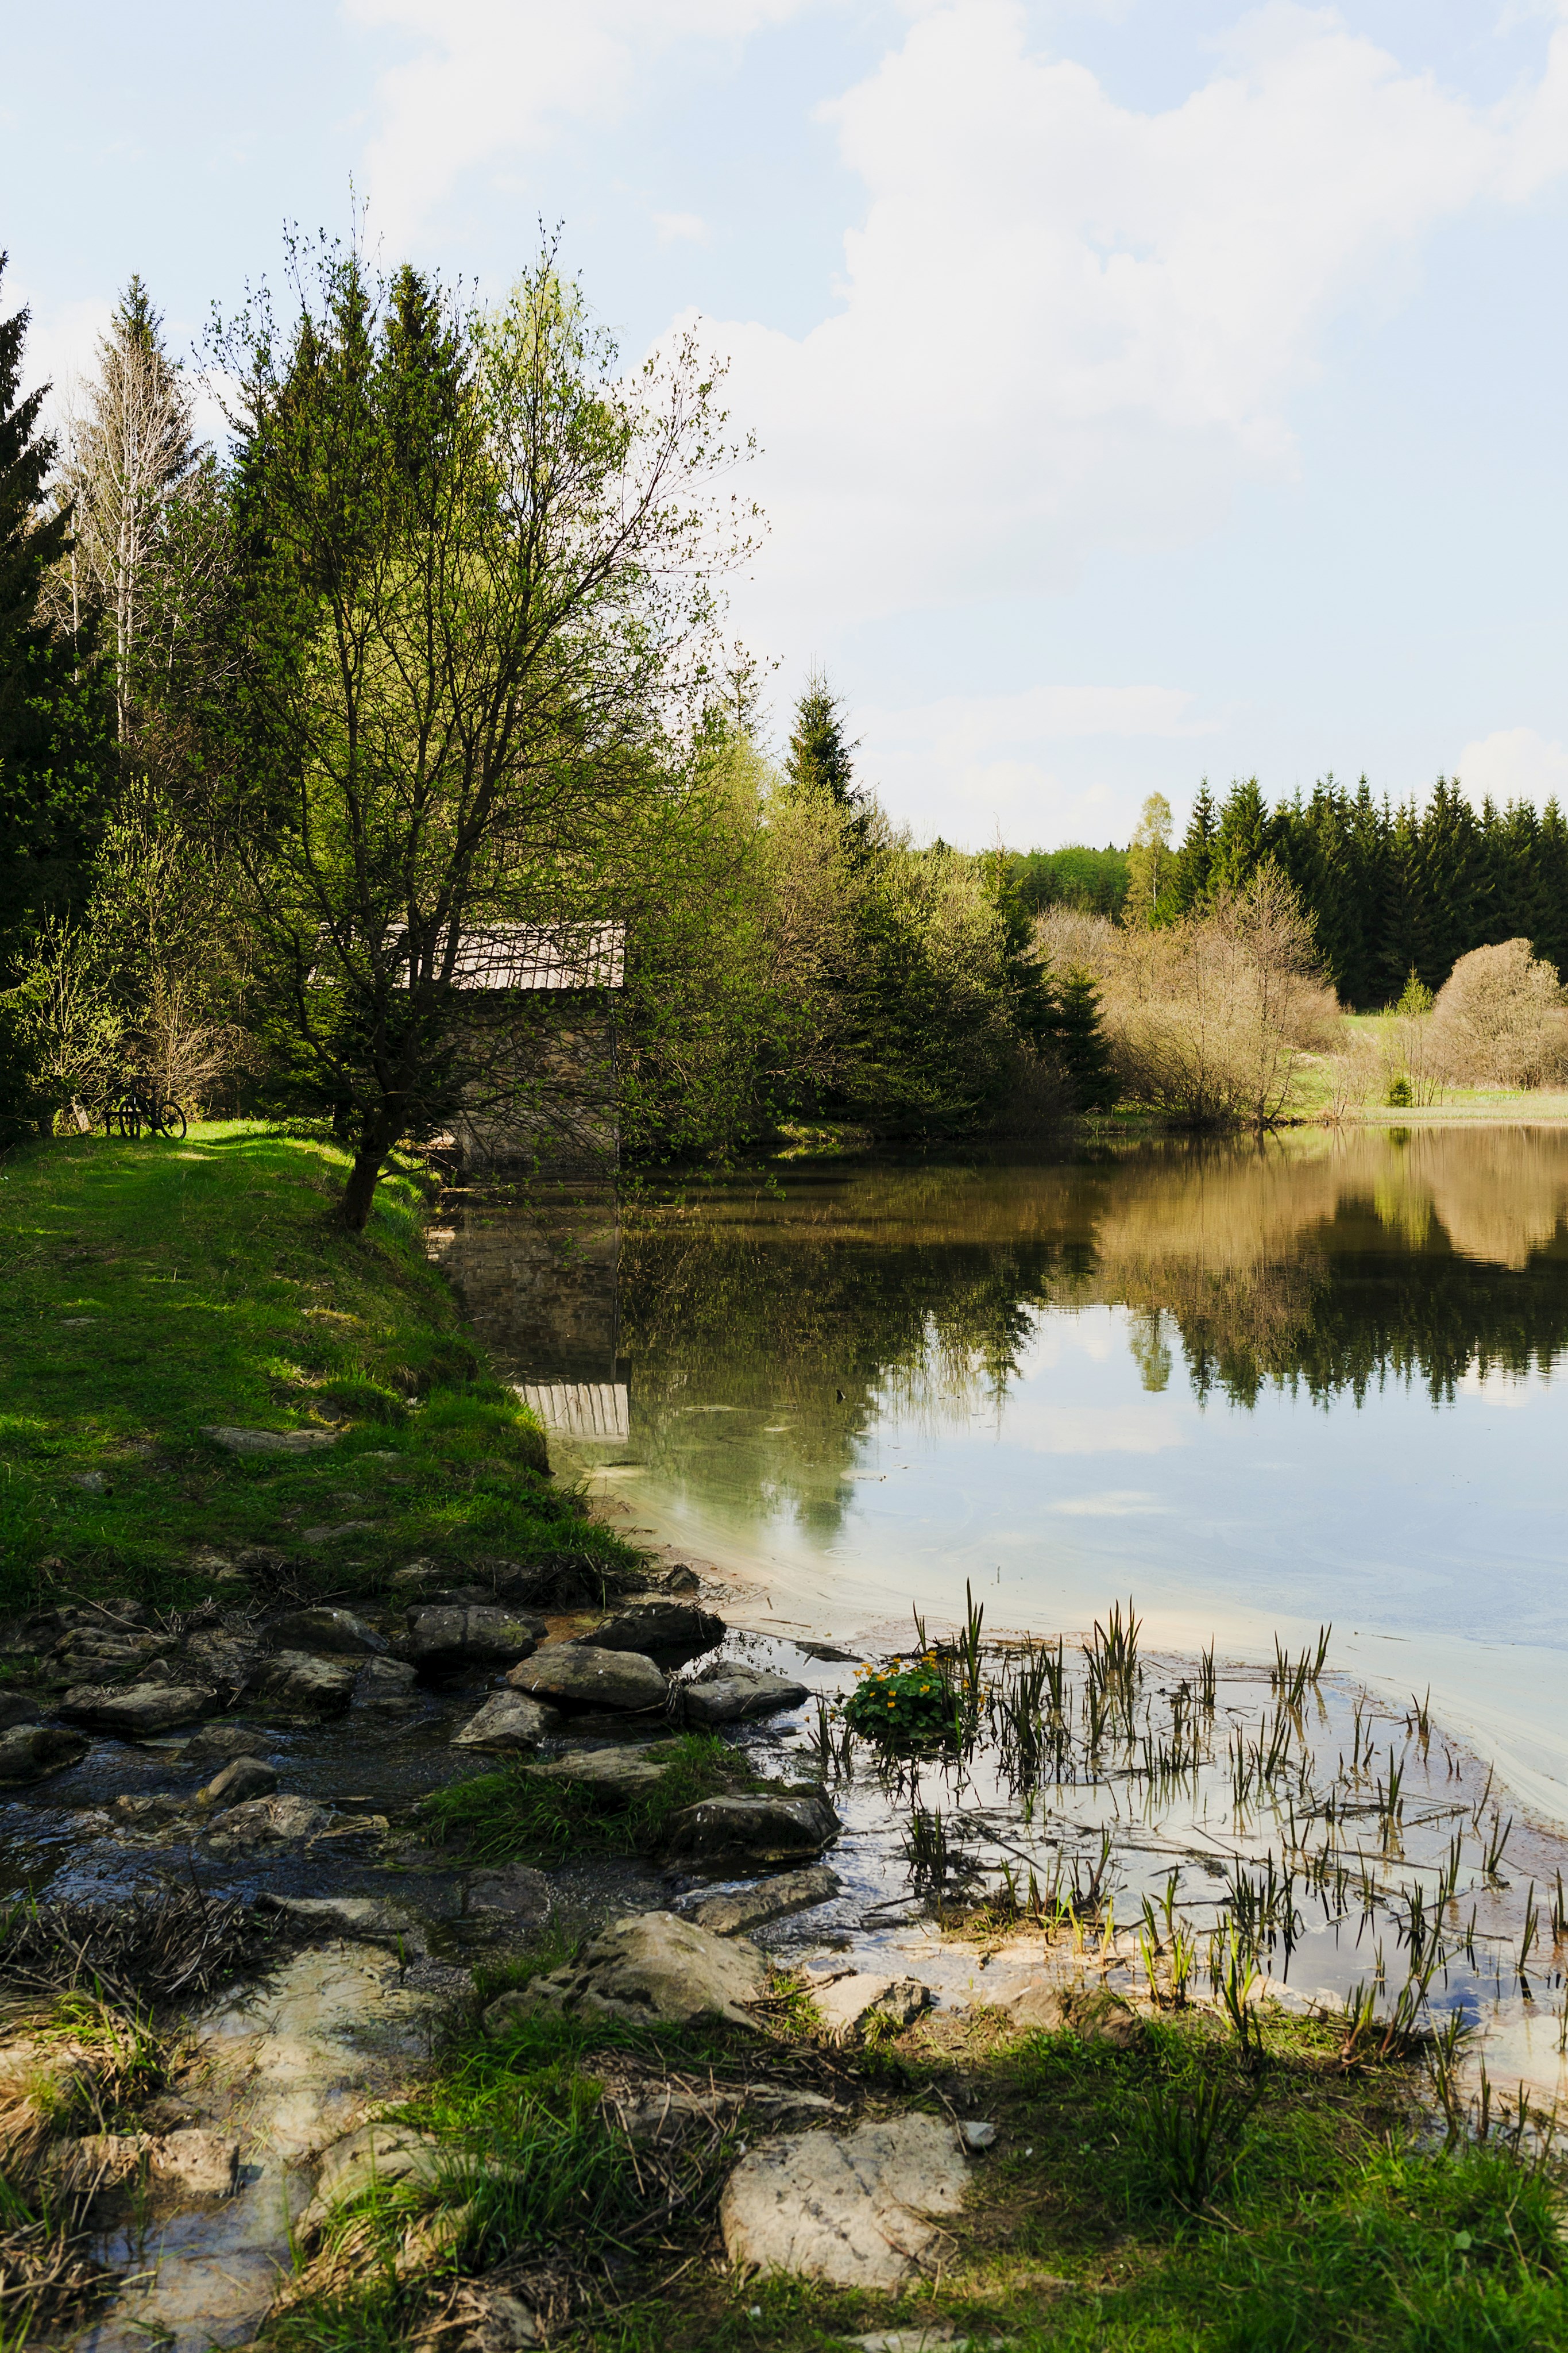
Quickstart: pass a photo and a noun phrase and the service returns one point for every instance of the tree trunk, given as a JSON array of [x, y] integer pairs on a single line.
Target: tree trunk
[[375, 1142]]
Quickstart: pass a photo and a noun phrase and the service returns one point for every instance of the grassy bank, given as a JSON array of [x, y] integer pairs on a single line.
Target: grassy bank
[[1161, 2196], [151, 1290]]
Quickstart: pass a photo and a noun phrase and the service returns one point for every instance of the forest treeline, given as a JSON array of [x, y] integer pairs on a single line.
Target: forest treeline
[[1390, 890], [430, 648]]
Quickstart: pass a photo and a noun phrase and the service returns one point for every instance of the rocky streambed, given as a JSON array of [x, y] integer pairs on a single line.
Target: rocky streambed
[[265, 1861]]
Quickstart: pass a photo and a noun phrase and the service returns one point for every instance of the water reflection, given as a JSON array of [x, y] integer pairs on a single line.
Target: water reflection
[[1306, 1380]]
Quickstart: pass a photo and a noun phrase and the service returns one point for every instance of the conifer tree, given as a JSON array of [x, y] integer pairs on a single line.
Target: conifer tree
[[1080, 1043], [1244, 837], [1195, 860], [819, 754]]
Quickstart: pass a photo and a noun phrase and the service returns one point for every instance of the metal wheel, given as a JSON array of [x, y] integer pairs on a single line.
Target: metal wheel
[[171, 1121]]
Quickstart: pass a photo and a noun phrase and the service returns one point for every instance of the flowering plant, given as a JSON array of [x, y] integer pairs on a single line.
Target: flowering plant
[[902, 1704]]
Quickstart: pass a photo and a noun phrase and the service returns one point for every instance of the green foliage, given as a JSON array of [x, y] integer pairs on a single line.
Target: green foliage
[[819, 758], [500, 1817], [1073, 876], [152, 1290], [1078, 1037], [904, 1706]]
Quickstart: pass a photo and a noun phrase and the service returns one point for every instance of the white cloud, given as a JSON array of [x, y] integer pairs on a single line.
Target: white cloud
[[1064, 324], [490, 77], [1514, 764], [681, 228]]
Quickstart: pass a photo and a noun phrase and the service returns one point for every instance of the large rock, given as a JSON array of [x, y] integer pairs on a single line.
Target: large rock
[[22, 1707], [848, 2005], [299, 1684], [215, 1744], [267, 1441], [223, 1659], [385, 1683], [659, 1630], [242, 1778], [771, 1899], [449, 1641], [1093, 2012], [135, 1711], [31, 1751], [616, 1775], [569, 1674], [338, 1633], [788, 1827], [508, 1721], [273, 1822], [377, 2155], [854, 2211], [737, 1695], [513, 1891], [653, 1969]]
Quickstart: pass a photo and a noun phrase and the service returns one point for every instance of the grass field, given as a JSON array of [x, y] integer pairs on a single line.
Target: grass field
[[150, 1290]]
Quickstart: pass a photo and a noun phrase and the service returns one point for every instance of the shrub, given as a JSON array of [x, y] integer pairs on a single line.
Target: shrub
[[1499, 1018], [901, 1705]]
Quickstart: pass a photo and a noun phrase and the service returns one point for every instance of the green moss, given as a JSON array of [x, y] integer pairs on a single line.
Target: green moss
[[501, 1817]]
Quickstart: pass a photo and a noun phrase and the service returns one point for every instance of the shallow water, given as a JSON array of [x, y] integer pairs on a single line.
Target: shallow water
[[1256, 1388]]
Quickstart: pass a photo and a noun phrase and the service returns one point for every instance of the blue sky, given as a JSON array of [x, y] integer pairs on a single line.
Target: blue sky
[[1148, 388]]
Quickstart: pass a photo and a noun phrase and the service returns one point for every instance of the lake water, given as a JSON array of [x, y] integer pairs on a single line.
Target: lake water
[[1256, 1388]]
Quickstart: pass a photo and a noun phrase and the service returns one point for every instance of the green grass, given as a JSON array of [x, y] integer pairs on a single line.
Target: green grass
[[149, 1289], [513, 1815]]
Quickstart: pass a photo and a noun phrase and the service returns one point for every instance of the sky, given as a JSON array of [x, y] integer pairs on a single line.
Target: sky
[[1145, 390]]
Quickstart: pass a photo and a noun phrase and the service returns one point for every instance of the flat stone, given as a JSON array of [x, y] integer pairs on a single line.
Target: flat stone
[[849, 2005], [856, 2211], [22, 1707], [362, 1918], [654, 1628], [771, 1899], [1092, 2013], [337, 1633], [977, 2136], [616, 1774], [514, 1889], [378, 2155], [215, 1743], [303, 1685], [508, 1721], [28, 1752], [760, 1829], [582, 1675], [680, 1579], [204, 2164], [650, 1969], [273, 1822], [738, 1694], [241, 1779], [447, 1641], [135, 1711], [267, 1441], [344, 1528], [223, 1661]]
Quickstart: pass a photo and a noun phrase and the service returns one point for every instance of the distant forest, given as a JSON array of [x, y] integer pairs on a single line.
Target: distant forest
[[1390, 890]]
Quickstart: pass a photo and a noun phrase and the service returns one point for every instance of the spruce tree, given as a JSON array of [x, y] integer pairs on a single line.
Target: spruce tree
[[820, 758], [1078, 1037], [1244, 838], [1195, 860], [1549, 938]]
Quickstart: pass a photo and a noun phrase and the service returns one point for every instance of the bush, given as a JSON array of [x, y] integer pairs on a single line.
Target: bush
[[1500, 1021], [902, 1706]]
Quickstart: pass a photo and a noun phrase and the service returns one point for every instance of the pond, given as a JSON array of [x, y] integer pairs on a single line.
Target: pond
[[1256, 1388]]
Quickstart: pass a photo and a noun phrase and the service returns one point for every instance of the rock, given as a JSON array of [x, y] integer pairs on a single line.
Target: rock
[[28, 1752], [150, 1811], [492, 2319], [666, 1629], [344, 1528], [508, 1720], [386, 1683], [849, 2005], [445, 1641], [215, 1743], [737, 1695], [618, 1775], [1092, 2013], [563, 1580], [515, 1889], [669, 2115], [22, 1707], [653, 1968], [378, 2155], [205, 2164], [241, 1779], [301, 1685], [223, 1661], [338, 1633], [828, 1653], [415, 1576], [762, 1830], [273, 1822], [976, 2135], [267, 1441], [91, 1483], [582, 1675], [771, 1899], [854, 2211], [136, 1711], [680, 1579], [363, 1919]]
